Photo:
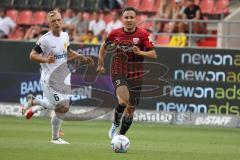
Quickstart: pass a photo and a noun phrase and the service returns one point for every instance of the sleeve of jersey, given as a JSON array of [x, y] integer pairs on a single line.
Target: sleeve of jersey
[[68, 41], [40, 46], [109, 38], [148, 42]]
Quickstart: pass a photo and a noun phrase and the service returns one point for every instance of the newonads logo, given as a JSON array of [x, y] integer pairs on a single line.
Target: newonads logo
[[203, 83]]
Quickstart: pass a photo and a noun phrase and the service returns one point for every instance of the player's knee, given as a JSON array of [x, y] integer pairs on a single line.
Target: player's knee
[[123, 95], [62, 108], [123, 100], [65, 109], [122, 103]]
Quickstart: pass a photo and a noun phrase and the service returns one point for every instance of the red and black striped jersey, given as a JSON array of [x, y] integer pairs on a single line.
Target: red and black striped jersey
[[124, 62]]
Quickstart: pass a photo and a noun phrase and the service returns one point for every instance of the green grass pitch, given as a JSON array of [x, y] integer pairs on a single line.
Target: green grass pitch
[[29, 140]]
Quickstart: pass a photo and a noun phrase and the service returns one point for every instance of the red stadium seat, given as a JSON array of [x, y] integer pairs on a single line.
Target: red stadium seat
[[156, 5], [141, 19], [133, 3], [147, 25], [25, 17], [162, 40], [39, 18], [208, 42], [146, 5], [197, 2], [222, 6], [13, 14], [207, 6], [17, 34]]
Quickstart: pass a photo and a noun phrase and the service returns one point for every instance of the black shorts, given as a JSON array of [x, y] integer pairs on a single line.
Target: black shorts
[[134, 87]]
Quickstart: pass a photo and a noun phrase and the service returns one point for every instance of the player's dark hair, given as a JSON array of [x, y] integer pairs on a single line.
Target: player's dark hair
[[129, 9]]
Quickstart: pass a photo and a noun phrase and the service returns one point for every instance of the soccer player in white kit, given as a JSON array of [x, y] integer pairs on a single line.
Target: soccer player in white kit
[[52, 51]]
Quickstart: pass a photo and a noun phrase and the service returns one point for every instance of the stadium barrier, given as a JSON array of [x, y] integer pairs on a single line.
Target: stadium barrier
[[203, 83], [227, 31], [142, 116]]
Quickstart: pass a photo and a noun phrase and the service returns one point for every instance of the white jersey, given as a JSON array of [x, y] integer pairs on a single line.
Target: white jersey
[[51, 44], [6, 25]]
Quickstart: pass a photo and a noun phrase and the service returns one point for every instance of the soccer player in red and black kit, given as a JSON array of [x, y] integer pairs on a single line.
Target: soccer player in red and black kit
[[132, 45]]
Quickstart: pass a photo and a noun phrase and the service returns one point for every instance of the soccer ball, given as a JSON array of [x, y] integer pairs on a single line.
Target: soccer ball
[[120, 144]]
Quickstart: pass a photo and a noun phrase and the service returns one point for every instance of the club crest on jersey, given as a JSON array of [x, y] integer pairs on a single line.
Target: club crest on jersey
[[135, 40], [65, 45]]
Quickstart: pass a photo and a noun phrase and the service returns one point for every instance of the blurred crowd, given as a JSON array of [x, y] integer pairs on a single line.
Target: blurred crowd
[[81, 26], [84, 27], [179, 12]]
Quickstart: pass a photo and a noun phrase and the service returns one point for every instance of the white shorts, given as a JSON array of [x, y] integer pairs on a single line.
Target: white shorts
[[54, 97]]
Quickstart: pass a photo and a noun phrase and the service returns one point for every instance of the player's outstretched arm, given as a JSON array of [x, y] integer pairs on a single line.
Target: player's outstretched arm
[[74, 55], [149, 54], [101, 55], [37, 57]]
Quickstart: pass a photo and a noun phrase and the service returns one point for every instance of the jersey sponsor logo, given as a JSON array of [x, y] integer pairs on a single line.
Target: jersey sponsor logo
[[65, 45], [126, 46], [117, 40], [135, 40], [59, 56]]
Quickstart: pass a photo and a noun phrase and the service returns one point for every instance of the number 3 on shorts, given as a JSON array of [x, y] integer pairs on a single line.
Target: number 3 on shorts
[[56, 97]]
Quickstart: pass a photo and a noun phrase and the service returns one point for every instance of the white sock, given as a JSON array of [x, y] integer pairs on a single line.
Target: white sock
[[56, 125], [43, 102]]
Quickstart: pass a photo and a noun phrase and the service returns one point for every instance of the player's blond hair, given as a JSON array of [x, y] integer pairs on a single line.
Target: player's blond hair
[[51, 14]]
